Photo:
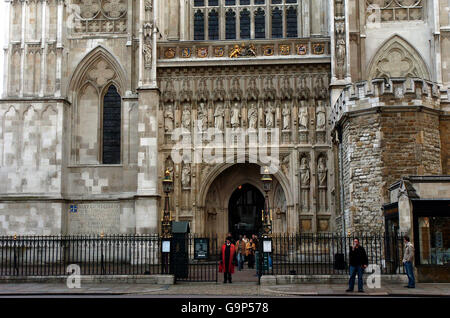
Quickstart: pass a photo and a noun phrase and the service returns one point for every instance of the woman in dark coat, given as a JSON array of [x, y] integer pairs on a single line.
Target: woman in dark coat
[[227, 260]]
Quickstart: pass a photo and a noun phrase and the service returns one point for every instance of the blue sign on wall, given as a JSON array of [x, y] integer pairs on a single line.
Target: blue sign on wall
[[73, 208]]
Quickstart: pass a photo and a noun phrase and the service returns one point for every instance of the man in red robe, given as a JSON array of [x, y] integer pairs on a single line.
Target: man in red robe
[[227, 260]]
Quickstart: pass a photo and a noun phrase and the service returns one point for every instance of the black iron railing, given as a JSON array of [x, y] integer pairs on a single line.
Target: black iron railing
[[191, 258], [95, 255], [328, 254], [195, 258]]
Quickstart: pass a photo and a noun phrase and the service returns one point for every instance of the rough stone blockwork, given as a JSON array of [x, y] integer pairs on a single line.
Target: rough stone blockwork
[[389, 130]]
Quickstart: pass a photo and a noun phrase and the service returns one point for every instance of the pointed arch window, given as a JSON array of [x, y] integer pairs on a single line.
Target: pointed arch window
[[291, 22], [260, 24], [252, 19], [230, 25], [277, 23], [112, 122], [213, 25], [199, 25], [245, 24]]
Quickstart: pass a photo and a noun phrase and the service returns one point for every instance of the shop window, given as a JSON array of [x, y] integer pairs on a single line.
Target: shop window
[[434, 240]]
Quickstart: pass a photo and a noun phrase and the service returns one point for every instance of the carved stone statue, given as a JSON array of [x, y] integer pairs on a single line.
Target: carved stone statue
[[147, 50], [321, 118], [322, 180], [303, 118], [219, 112], [286, 116], [252, 116], [186, 176], [202, 117], [304, 172], [285, 165], [270, 111], [186, 118], [322, 171], [168, 118], [235, 115], [304, 183], [340, 57]]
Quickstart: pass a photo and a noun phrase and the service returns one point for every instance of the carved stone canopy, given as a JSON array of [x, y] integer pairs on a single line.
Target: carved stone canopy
[[397, 58]]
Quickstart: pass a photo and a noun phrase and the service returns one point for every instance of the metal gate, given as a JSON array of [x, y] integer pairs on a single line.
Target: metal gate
[[194, 258], [327, 254]]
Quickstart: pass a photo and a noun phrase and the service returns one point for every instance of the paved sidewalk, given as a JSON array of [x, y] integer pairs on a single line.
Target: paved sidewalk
[[247, 289]]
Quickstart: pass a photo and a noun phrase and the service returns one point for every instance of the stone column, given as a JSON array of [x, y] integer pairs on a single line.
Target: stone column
[[59, 47], [22, 51], [147, 197], [305, 19], [174, 18], [437, 42], [6, 51], [43, 49]]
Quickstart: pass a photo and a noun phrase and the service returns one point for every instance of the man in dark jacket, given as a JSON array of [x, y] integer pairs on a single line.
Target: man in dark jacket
[[358, 262]]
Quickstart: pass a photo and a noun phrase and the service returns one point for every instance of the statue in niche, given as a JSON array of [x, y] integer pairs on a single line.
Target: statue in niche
[[286, 116], [270, 111], [202, 117], [186, 118], [285, 165], [304, 183], [147, 55], [340, 57], [280, 206], [219, 112], [322, 180], [168, 118], [321, 118], [235, 115], [303, 118], [186, 176], [252, 115]]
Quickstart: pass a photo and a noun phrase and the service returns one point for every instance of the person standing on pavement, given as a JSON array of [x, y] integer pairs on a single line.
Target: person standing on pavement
[[240, 249], [227, 260], [358, 262], [251, 253], [245, 240], [408, 257]]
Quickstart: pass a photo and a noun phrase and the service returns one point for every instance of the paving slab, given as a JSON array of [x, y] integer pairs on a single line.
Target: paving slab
[[245, 289]]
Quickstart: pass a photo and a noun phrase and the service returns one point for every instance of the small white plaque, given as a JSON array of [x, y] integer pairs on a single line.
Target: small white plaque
[[267, 246], [166, 246]]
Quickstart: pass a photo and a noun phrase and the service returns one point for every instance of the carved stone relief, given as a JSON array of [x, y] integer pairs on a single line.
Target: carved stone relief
[[397, 58], [99, 16]]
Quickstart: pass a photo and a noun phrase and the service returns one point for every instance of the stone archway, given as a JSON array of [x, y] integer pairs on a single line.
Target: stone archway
[[215, 216], [244, 211]]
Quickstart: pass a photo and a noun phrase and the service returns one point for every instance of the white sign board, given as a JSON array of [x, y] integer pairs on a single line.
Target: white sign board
[[166, 246], [267, 246]]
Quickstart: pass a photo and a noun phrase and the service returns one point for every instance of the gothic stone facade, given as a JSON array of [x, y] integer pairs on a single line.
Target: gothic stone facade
[[94, 89]]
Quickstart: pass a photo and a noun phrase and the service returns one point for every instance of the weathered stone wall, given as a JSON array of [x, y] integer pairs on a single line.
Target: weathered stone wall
[[362, 173], [388, 132], [411, 145], [31, 148], [31, 217], [444, 129]]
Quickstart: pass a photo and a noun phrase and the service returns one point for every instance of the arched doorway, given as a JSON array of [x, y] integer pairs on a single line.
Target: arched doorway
[[219, 191], [244, 211]]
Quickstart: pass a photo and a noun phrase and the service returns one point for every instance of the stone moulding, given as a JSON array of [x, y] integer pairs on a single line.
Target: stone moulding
[[392, 92]]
